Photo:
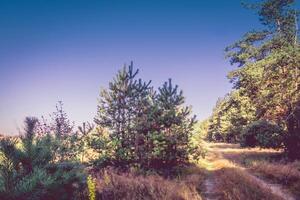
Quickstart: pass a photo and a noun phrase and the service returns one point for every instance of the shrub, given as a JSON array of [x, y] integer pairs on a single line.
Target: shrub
[[29, 169], [262, 134], [91, 187]]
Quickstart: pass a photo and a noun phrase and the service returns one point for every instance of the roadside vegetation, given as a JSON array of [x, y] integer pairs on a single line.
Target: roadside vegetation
[[263, 109], [144, 143], [140, 145], [287, 174], [236, 184], [260, 117], [232, 171]]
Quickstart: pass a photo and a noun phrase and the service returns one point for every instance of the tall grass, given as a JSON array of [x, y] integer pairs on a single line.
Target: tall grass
[[287, 174], [236, 184], [126, 186]]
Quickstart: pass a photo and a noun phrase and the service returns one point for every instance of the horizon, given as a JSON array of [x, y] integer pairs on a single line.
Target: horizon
[[57, 51]]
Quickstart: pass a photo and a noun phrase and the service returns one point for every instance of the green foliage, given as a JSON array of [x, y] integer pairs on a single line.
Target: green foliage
[[145, 128], [262, 134], [231, 115], [201, 130], [267, 78], [91, 187], [31, 172], [119, 109], [68, 144]]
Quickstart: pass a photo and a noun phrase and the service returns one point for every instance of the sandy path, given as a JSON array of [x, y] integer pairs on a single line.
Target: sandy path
[[215, 156], [210, 193]]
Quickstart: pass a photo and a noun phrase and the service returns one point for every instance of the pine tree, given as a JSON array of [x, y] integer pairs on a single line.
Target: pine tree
[[147, 129], [176, 125], [269, 64], [119, 109], [29, 169]]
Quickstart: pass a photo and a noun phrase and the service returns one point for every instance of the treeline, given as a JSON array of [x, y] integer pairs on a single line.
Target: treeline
[[137, 128], [263, 108]]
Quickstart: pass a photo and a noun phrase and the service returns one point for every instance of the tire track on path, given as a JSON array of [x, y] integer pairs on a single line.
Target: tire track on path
[[215, 160]]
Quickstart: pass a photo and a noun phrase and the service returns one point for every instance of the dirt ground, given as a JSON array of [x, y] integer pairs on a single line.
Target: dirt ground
[[221, 155]]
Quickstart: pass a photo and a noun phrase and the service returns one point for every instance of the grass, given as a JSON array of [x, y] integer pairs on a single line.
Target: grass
[[227, 161], [127, 186], [244, 156], [266, 163], [237, 184], [224, 161], [287, 174]]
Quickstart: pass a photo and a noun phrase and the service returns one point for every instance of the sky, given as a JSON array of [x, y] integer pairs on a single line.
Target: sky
[[69, 49]]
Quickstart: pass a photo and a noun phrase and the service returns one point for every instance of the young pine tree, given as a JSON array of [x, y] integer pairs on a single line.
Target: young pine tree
[[120, 108]]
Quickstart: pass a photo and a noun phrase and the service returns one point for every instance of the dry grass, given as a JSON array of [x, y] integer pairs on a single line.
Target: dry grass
[[284, 174], [232, 182], [126, 186], [227, 163], [261, 161], [193, 175], [236, 184], [244, 156]]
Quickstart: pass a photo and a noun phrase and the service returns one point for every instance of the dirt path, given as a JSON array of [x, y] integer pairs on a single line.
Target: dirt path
[[216, 158], [275, 188], [210, 192]]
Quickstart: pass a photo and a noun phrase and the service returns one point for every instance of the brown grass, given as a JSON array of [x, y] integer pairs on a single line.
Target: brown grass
[[236, 184], [284, 174], [244, 156], [126, 186], [233, 181]]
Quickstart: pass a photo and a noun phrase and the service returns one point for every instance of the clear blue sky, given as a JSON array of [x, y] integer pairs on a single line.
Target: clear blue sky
[[67, 50]]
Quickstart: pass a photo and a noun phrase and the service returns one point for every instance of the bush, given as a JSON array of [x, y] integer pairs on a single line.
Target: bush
[[30, 170], [91, 187], [262, 134]]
